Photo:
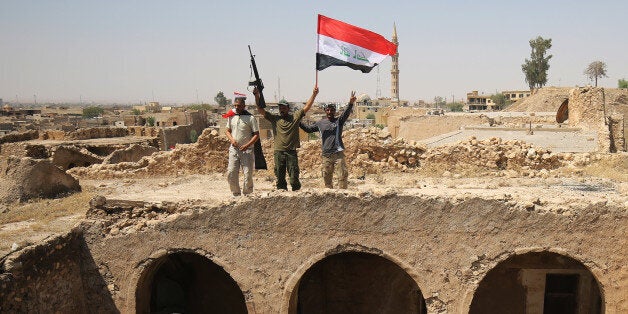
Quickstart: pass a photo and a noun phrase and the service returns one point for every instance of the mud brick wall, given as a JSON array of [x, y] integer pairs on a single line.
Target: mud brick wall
[[44, 278]]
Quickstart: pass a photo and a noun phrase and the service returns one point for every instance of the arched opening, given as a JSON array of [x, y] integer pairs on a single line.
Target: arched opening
[[356, 282], [187, 282], [538, 282]]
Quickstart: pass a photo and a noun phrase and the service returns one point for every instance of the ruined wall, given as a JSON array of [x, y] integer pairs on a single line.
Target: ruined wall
[[57, 135], [423, 127], [83, 134], [132, 153], [445, 245], [144, 131], [591, 107], [176, 135], [50, 277], [67, 157], [18, 137]]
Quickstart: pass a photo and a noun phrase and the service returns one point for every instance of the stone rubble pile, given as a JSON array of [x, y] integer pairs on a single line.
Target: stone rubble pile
[[207, 155], [493, 154], [368, 151]]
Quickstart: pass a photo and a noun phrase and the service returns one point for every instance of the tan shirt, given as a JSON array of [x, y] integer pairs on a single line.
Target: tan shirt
[[242, 128]]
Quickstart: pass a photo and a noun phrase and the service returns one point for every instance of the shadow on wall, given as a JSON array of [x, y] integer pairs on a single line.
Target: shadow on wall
[[186, 282], [538, 282], [98, 297], [356, 282], [58, 275]]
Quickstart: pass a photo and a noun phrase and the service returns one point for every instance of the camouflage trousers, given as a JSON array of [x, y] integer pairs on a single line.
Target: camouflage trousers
[[335, 161], [287, 161]]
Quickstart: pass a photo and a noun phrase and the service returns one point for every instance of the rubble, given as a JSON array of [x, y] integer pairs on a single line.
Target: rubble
[[207, 155], [368, 151]]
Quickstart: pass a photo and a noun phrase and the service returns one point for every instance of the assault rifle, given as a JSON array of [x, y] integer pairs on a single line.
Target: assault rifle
[[258, 81], [260, 161]]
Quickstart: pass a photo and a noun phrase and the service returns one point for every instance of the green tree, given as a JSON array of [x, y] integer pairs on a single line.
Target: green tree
[[193, 136], [92, 112], [136, 112], [535, 68], [150, 121], [595, 70], [499, 99], [200, 107], [622, 83], [439, 101], [370, 116], [222, 100], [455, 106]]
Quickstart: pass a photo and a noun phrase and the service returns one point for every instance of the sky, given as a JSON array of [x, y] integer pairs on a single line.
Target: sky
[[126, 51]]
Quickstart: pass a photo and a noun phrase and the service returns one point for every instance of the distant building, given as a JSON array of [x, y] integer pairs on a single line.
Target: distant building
[[366, 108], [515, 95], [477, 102], [153, 106]]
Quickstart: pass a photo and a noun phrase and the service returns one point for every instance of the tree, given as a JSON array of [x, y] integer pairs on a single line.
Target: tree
[[222, 100], [622, 83], [500, 100], [595, 70], [150, 121], [455, 106], [136, 112], [535, 68], [370, 116], [92, 112], [439, 102], [200, 107], [193, 136]]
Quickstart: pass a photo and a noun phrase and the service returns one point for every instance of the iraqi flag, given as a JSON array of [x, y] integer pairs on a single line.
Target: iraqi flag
[[343, 44]]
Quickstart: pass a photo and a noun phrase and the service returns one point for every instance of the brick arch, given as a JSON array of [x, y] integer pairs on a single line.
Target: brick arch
[[513, 260], [188, 278], [290, 299]]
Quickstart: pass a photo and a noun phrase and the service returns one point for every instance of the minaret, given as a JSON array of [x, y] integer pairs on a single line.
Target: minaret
[[394, 71]]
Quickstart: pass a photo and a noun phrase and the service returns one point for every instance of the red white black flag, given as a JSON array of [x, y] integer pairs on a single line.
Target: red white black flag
[[342, 44]]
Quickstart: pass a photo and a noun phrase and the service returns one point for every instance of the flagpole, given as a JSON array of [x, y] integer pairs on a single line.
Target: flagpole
[[317, 49], [316, 65]]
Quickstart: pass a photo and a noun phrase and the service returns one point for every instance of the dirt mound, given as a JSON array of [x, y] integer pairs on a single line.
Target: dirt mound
[[547, 99], [26, 178]]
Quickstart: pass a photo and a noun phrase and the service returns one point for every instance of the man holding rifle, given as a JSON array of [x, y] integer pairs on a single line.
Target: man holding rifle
[[286, 130]]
